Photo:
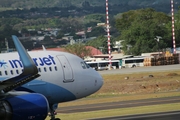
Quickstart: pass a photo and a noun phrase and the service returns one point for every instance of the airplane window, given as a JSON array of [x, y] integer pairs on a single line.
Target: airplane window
[[44, 69], [6, 73], [0, 73], [55, 68], [17, 71], [11, 72], [39, 69], [83, 65], [50, 69], [86, 65]]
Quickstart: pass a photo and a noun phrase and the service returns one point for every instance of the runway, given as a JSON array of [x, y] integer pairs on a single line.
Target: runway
[[173, 115], [141, 69], [115, 105]]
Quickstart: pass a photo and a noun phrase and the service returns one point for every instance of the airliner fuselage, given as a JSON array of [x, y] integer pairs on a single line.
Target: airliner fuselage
[[64, 77], [33, 83]]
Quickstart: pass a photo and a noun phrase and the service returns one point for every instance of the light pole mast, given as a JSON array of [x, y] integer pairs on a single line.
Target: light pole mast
[[108, 33], [173, 29], [7, 45], [157, 39]]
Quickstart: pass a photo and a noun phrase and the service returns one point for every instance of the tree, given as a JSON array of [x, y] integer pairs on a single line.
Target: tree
[[79, 50], [177, 31], [86, 5], [101, 42], [97, 31], [139, 28], [177, 27], [95, 18], [60, 35], [6, 32]]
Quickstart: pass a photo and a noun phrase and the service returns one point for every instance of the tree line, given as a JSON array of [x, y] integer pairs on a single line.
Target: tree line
[[138, 29]]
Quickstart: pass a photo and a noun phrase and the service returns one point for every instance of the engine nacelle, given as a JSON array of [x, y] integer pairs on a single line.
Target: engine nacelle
[[24, 107]]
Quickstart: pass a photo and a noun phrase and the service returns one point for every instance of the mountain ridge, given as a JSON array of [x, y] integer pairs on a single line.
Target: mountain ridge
[[78, 3]]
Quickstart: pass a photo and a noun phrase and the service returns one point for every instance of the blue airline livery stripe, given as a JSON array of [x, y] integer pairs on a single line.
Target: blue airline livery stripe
[[41, 61]]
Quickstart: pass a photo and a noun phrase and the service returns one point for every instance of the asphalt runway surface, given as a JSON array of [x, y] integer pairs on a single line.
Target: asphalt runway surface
[[116, 105], [174, 115], [141, 69]]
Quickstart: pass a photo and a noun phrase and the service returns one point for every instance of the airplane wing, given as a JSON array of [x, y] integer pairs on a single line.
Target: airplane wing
[[29, 73]]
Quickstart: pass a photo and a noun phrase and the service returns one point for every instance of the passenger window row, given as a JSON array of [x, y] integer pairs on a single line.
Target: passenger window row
[[16, 72], [45, 69]]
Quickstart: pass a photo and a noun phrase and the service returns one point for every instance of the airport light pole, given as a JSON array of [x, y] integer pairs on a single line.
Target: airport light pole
[[108, 34], [173, 27], [157, 39]]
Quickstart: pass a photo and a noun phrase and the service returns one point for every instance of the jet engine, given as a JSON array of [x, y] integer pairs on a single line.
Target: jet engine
[[24, 107]]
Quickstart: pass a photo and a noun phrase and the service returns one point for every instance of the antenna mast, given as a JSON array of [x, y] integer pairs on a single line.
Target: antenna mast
[[108, 34], [173, 29]]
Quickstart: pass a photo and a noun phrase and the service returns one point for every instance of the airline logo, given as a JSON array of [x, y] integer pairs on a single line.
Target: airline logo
[[3, 64], [41, 61]]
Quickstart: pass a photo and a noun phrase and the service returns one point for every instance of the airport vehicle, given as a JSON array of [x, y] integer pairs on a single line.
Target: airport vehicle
[[33, 83], [132, 62], [103, 65]]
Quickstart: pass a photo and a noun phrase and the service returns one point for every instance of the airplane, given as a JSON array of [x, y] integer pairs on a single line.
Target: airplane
[[33, 83]]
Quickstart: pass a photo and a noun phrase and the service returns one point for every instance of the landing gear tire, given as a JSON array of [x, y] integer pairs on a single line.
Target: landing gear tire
[[55, 119], [53, 113]]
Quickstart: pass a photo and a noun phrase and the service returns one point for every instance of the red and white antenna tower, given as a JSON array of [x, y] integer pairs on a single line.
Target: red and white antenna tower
[[173, 29], [108, 34]]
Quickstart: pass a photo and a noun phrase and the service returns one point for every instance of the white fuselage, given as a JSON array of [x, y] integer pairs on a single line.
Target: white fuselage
[[64, 76]]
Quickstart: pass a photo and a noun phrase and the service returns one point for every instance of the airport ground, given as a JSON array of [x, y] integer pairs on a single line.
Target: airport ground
[[127, 92]]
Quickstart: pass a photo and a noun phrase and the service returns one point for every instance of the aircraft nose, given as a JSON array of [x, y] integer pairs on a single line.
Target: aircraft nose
[[98, 80]]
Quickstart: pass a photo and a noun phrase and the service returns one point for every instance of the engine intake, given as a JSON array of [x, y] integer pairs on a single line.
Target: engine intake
[[5, 110], [24, 107]]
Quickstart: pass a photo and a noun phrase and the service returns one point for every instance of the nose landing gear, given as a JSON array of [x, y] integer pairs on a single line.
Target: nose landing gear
[[53, 113]]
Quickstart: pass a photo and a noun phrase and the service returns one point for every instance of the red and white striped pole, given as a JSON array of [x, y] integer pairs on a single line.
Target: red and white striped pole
[[173, 29], [108, 34]]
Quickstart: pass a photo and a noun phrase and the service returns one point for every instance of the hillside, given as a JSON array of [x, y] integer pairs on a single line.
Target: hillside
[[66, 3]]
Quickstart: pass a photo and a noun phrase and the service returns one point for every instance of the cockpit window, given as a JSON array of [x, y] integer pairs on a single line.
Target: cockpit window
[[83, 65], [86, 65]]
